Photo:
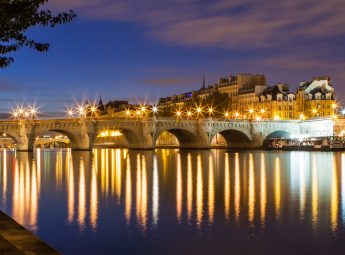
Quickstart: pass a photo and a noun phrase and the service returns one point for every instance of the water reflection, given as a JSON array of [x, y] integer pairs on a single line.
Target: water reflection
[[142, 190]]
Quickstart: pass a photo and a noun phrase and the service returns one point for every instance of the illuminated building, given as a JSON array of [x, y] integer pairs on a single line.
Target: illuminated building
[[315, 98], [250, 98]]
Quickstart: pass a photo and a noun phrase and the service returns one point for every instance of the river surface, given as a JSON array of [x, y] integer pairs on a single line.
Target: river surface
[[115, 201]]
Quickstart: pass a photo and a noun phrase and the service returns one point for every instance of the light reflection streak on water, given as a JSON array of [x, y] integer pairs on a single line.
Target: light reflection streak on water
[[143, 202], [314, 193], [4, 177], [237, 188], [155, 192], [211, 191], [277, 187], [58, 168], [317, 201], [179, 189], [82, 196], [302, 186], [334, 197], [251, 192], [118, 175], [138, 190], [199, 193], [34, 197], [263, 195], [93, 198], [189, 188], [343, 187], [70, 189], [128, 199], [25, 193], [226, 187]]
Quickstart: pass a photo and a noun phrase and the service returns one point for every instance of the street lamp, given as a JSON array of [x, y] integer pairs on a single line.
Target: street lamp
[[128, 113], [154, 110], [210, 111], [70, 113]]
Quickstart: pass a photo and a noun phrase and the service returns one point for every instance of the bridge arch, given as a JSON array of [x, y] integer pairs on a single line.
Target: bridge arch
[[9, 139], [72, 139], [117, 137], [278, 134], [234, 139], [186, 138]]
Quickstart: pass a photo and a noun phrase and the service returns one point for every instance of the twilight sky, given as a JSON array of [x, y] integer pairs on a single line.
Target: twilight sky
[[137, 49]]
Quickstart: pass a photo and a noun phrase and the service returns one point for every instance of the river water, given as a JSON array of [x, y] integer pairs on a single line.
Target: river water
[[115, 201]]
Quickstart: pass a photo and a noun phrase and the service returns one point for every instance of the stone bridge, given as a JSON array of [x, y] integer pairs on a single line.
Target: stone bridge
[[142, 133]]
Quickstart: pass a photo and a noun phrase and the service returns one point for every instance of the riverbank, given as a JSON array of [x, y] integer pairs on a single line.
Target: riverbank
[[15, 239]]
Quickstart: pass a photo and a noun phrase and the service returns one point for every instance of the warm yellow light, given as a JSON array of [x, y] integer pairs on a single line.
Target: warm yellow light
[[301, 116], [342, 132], [262, 111], [15, 114], [314, 111], [251, 111], [115, 133], [210, 110], [20, 111], [154, 109], [189, 113], [138, 112], [226, 114], [334, 106], [128, 112], [143, 108], [178, 114], [26, 114], [258, 118], [335, 117], [237, 114], [81, 110], [276, 117], [198, 110], [70, 112], [112, 133], [93, 109]]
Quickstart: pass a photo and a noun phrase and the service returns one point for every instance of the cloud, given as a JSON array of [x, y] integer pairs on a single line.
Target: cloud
[[237, 23]]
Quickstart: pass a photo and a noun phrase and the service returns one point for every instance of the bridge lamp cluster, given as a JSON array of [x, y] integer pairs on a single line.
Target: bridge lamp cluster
[[141, 111], [28, 112], [81, 110]]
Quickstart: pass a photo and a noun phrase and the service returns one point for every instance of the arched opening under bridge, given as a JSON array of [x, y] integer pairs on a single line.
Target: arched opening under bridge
[[113, 138], [51, 140], [232, 139], [7, 141]]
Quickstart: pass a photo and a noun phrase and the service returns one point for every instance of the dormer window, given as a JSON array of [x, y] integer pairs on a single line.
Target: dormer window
[[279, 97], [318, 96]]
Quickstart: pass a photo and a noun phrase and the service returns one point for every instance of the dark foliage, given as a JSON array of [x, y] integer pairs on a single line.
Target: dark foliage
[[16, 17]]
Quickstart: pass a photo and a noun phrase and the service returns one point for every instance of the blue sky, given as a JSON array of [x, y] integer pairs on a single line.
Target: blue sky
[[148, 49]]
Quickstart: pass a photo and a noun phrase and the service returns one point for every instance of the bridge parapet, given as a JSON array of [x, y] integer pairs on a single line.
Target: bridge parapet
[[142, 133]]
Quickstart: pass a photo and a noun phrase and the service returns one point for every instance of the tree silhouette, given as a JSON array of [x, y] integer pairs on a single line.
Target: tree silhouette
[[16, 17]]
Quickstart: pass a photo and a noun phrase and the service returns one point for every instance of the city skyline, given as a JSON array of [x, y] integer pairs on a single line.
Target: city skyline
[[107, 52]]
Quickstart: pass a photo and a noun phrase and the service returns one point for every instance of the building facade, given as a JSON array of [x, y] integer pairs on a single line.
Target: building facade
[[250, 97]]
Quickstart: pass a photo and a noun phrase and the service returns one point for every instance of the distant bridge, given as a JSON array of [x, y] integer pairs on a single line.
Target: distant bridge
[[143, 133]]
